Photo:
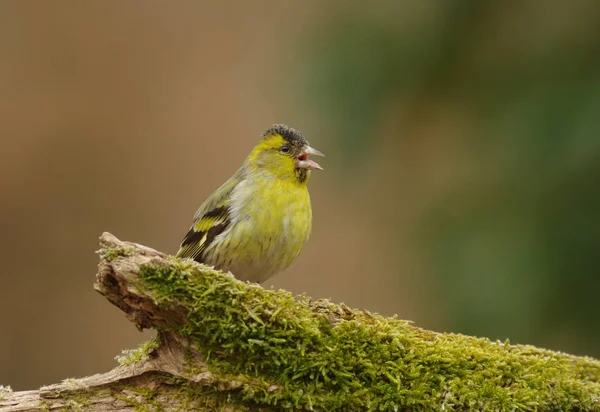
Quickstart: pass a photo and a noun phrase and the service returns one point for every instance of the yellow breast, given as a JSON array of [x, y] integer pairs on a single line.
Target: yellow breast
[[271, 221]]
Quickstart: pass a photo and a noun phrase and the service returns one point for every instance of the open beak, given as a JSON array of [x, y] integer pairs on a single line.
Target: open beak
[[304, 162]]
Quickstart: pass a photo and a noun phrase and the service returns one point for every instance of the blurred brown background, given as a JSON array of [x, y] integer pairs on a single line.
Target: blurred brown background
[[462, 180]]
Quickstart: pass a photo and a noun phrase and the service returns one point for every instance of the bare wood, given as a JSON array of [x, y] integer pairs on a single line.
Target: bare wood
[[174, 375]]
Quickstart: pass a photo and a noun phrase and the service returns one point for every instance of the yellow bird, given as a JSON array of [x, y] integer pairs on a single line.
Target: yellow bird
[[256, 224]]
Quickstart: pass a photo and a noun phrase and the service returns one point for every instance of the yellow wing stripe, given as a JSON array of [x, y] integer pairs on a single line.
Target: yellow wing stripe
[[203, 232]]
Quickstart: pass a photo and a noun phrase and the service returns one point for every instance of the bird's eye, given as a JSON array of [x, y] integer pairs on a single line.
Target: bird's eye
[[285, 149]]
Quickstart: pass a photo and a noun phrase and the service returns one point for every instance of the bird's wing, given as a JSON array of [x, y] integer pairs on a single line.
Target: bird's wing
[[211, 219]]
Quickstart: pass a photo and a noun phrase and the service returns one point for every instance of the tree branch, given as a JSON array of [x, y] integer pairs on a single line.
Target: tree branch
[[227, 345]]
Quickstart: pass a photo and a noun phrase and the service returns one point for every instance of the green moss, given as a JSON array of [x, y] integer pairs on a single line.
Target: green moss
[[179, 395], [358, 361], [131, 356], [4, 390], [75, 406], [44, 405], [68, 400], [140, 398], [110, 254], [204, 398]]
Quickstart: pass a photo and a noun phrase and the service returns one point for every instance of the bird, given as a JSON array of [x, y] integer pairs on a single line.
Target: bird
[[256, 224]]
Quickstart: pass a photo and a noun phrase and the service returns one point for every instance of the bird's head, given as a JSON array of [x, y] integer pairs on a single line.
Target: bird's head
[[284, 153]]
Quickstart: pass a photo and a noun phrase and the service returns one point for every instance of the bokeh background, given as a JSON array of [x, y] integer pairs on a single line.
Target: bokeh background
[[462, 180]]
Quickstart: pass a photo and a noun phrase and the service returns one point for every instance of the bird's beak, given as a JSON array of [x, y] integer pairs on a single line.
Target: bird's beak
[[304, 162]]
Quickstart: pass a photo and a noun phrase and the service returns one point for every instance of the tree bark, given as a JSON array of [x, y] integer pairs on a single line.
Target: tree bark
[[227, 345]]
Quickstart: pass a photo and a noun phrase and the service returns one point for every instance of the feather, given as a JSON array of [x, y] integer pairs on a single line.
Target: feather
[[211, 219]]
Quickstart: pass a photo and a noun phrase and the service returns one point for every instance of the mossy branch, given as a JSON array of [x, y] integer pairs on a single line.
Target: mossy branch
[[227, 345]]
